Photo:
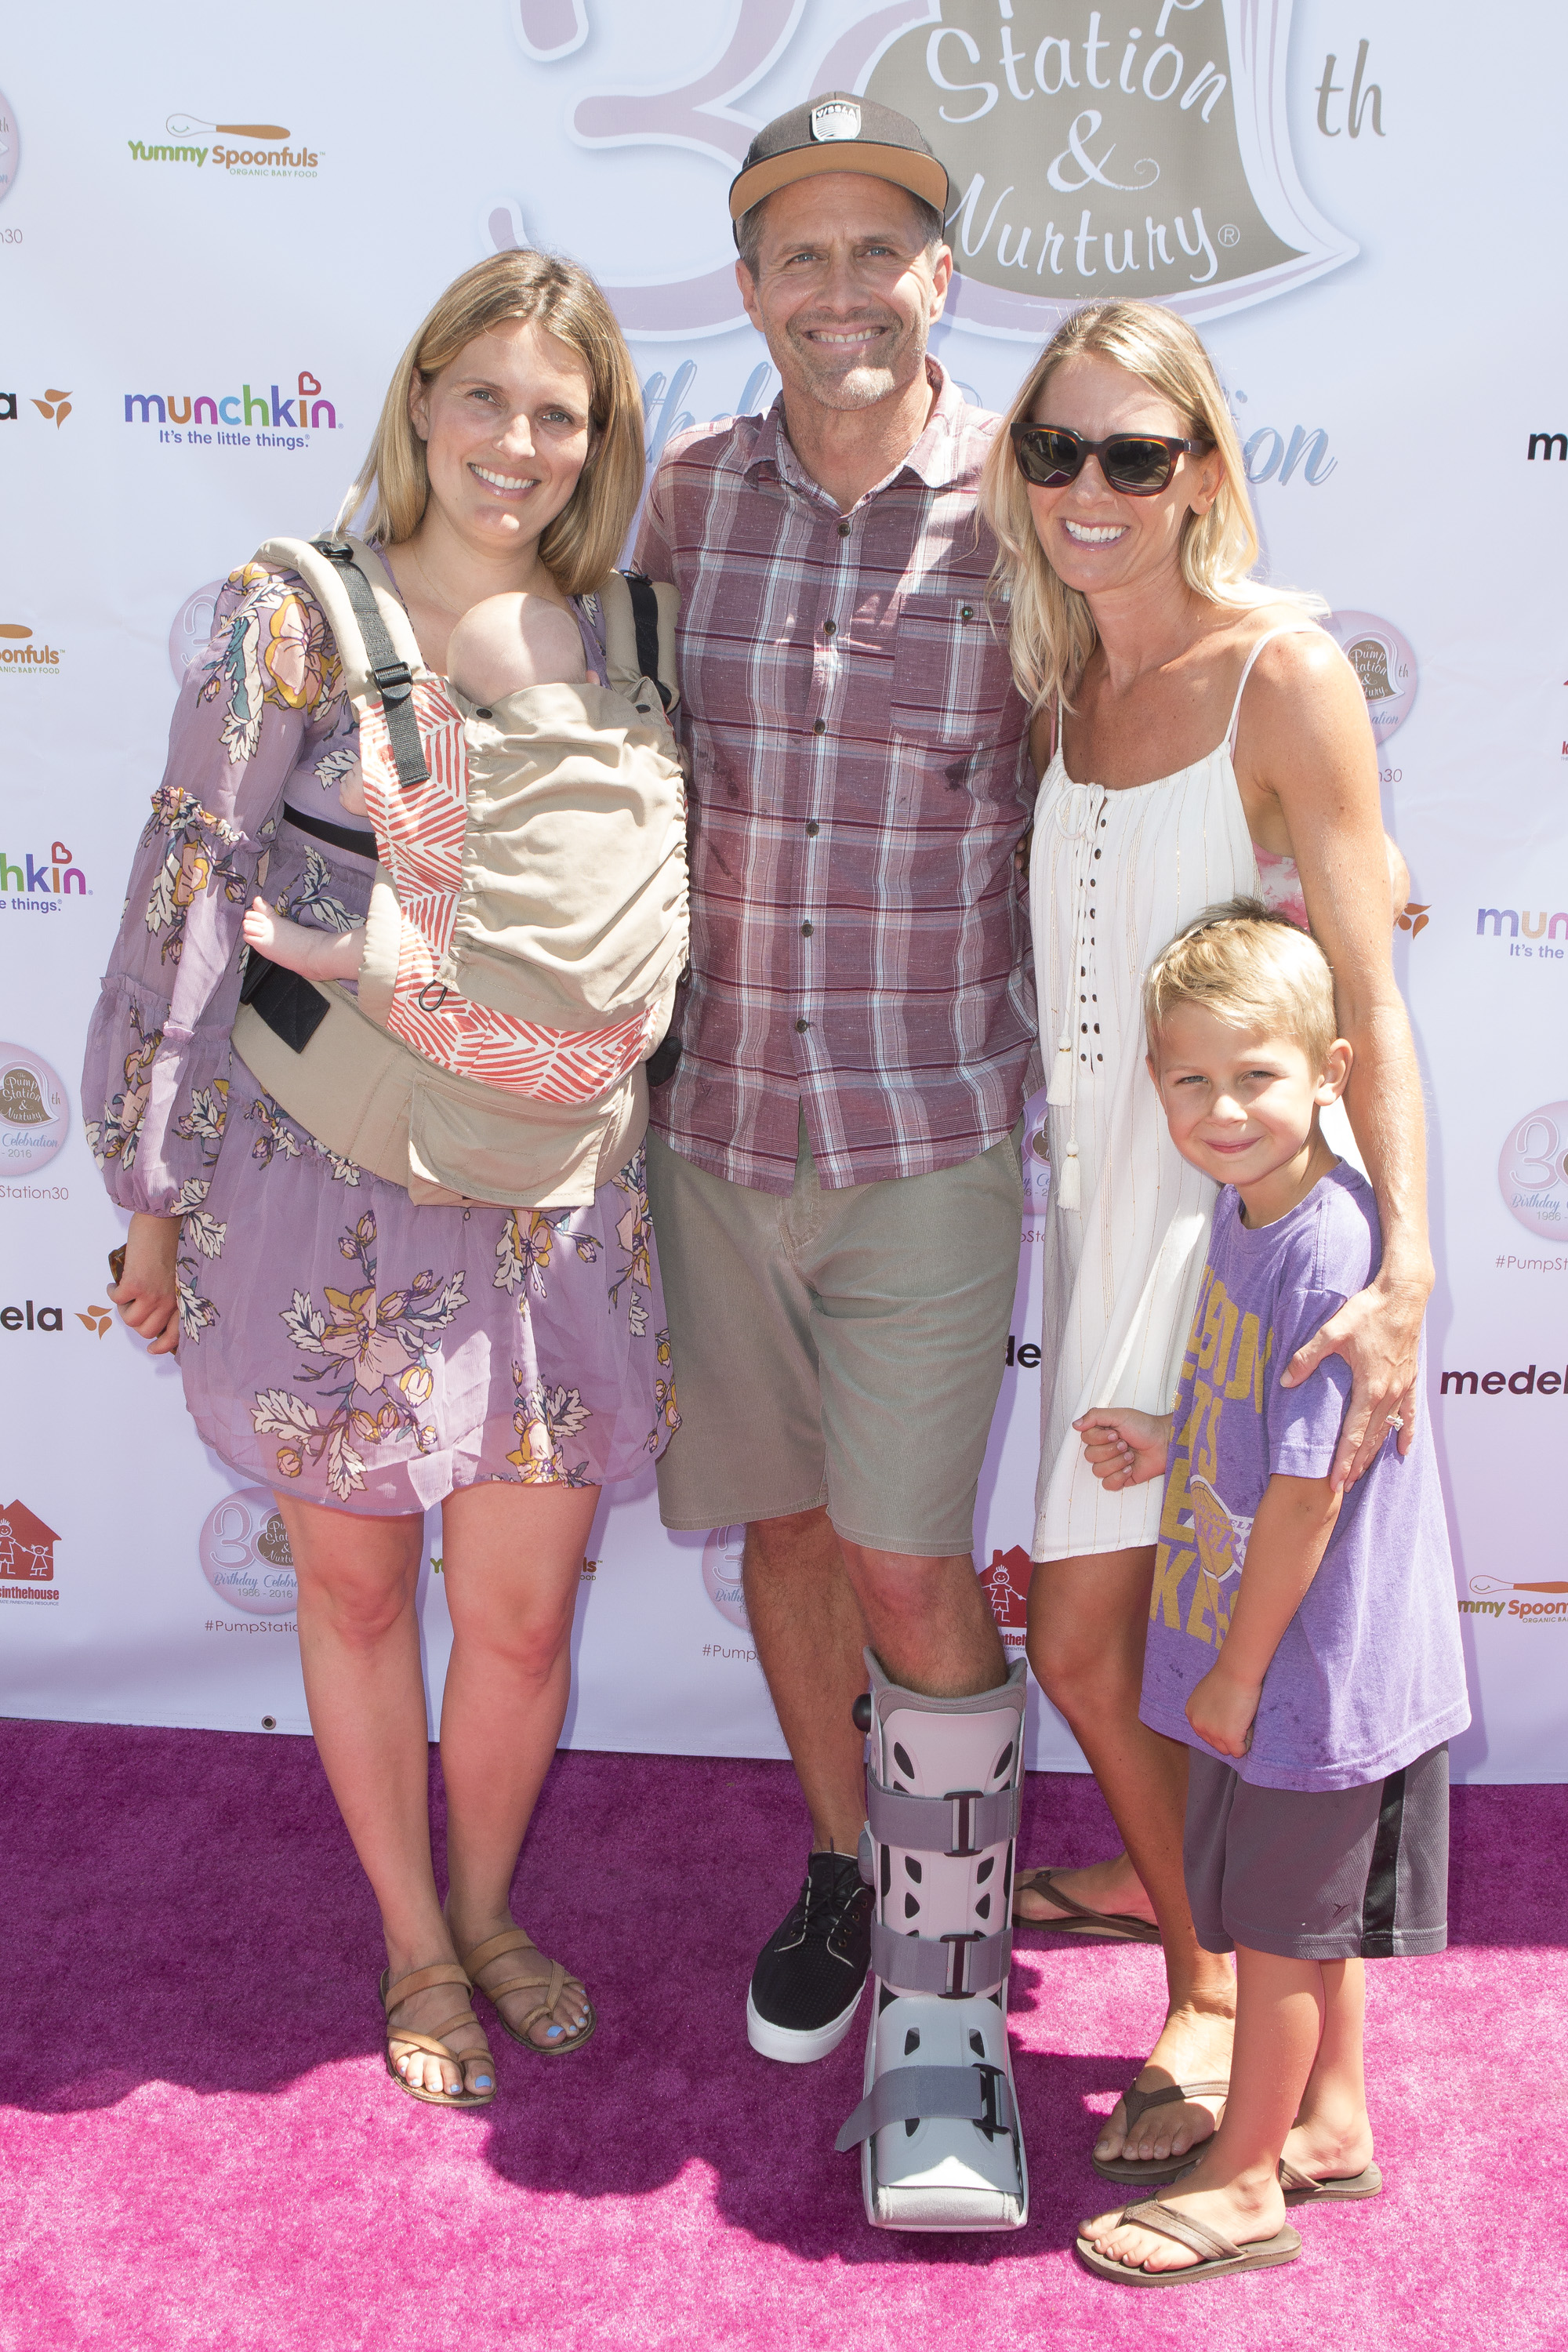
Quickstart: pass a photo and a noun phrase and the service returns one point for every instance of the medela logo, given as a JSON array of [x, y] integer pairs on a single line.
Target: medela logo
[[267, 419]]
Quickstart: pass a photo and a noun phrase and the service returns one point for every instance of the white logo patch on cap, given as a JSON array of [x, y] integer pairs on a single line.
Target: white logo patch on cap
[[838, 117]]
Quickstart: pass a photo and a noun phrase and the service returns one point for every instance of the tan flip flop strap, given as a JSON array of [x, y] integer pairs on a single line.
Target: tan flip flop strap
[[419, 1979], [1136, 2102], [1195, 2236], [1290, 2178], [438, 2049], [510, 1939]]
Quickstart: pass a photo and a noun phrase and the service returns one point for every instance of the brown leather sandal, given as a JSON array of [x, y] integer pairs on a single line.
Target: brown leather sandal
[[1135, 2106], [1219, 2256], [401, 2044], [1302, 2189], [548, 1979], [1077, 1919]]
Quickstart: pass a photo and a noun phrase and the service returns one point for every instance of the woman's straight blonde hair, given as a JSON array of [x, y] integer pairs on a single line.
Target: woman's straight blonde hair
[[580, 547], [1051, 631]]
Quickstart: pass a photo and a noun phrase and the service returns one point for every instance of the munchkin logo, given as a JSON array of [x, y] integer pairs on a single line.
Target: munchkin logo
[[41, 885], [244, 407]]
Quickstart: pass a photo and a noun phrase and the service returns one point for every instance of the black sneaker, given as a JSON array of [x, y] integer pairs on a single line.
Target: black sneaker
[[806, 1986]]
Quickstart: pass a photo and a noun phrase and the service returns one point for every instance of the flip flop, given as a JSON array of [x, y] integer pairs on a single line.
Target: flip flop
[[1157, 2169], [1078, 1919], [1219, 2257], [1300, 2189]]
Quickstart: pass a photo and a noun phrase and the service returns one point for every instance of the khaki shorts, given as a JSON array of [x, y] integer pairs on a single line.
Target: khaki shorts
[[842, 1347]]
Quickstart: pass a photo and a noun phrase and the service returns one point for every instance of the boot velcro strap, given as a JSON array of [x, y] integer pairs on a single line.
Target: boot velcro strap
[[955, 1968], [962, 1822], [975, 2094]]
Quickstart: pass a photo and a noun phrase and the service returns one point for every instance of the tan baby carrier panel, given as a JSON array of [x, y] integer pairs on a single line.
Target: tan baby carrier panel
[[570, 912]]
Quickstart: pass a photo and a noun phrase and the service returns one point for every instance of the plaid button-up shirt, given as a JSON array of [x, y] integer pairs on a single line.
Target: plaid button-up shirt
[[860, 951]]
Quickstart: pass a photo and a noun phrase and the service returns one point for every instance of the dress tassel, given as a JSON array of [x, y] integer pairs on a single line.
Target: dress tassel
[[1066, 1179], [1060, 1089]]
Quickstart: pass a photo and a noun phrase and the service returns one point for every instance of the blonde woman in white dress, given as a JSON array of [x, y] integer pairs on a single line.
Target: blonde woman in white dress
[[1197, 736]]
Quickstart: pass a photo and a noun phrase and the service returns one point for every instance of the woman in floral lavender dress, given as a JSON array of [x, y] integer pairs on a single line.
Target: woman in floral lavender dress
[[365, 1357]]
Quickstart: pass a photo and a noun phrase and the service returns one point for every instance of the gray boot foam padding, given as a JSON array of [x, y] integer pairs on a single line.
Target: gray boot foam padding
[[938, 2128]]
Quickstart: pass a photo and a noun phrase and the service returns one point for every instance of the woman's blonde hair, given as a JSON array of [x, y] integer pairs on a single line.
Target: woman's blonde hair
[[1250, 966], [1052, 633], [582, 544]]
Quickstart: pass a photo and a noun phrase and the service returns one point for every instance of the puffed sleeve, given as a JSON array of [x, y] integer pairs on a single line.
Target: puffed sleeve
[[269, 687]]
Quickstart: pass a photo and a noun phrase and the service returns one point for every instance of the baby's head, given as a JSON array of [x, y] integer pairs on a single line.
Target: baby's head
[[1238, 1012], [506, 643]]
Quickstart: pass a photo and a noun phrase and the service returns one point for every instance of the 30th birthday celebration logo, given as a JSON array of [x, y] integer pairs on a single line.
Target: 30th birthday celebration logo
[[1089, 154]]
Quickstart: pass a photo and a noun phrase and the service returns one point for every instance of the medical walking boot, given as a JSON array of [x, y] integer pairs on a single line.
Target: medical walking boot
[[940, 2146]]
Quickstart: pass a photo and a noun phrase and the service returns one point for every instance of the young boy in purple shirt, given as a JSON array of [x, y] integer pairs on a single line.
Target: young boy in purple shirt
[[1302, 1639]]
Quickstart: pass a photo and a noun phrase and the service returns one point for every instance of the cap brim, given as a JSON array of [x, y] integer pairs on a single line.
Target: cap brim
[[923, 175]]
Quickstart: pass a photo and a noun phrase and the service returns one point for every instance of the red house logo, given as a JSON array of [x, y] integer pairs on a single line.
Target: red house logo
[[26, 1546], [1006, 1583]]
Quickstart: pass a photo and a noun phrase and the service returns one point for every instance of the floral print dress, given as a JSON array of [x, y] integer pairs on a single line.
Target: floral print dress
[[336, 1342]]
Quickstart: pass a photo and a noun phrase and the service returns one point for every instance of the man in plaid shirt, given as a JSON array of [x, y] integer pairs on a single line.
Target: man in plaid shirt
[[834, 1166]]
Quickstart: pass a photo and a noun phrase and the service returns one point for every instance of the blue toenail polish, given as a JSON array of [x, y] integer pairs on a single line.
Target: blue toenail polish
[[554, 2034], [481, 2082]]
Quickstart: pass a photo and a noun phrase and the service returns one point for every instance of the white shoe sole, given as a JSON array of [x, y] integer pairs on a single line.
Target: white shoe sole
[[793, 2048]]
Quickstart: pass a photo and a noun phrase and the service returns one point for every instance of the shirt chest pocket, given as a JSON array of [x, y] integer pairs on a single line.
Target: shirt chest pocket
[[953, 680]]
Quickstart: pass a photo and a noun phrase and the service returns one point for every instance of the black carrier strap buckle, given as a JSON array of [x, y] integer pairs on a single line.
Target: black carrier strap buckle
[[394, 678]]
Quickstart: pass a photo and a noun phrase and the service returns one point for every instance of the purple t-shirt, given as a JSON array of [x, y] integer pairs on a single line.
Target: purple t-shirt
[[1369, 1674]]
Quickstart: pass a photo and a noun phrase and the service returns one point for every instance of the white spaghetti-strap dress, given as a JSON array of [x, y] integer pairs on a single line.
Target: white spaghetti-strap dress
[[1114, 876]]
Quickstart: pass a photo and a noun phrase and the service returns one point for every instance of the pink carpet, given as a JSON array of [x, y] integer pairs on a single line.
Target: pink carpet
[[201, 2150]]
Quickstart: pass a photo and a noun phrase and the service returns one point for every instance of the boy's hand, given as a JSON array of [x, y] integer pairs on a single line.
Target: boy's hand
[[147, 1293], [1125, 1448], [1221, 1711]]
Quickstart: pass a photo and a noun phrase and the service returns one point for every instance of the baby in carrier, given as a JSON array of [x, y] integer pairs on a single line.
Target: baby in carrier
[[501, 646]]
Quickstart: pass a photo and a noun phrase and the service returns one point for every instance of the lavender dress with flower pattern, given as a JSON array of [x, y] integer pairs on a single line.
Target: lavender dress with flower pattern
[[336, 1340]]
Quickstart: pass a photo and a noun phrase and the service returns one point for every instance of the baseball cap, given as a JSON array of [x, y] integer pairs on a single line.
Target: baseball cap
[[838, 132]]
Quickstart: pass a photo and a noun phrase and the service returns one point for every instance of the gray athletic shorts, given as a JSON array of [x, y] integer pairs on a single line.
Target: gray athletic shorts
[[1320, 1873], [842, 1347]]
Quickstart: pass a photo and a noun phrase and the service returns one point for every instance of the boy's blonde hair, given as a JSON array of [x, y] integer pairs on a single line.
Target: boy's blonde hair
[[1251, 967], [1051, 630], [580, 547]]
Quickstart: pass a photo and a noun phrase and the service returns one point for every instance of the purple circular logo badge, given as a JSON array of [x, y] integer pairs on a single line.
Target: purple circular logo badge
[[1383, 660], [192, 626], [34, 1112], [1533, 1170], [10, 147], [721, 1574], [244, 1550], [1036, 1151]]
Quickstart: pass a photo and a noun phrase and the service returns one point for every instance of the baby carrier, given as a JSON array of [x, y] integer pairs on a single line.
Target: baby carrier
[[561, 816]]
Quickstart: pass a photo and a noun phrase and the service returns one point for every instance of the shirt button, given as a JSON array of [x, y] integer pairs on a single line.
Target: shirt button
[[802, 1024], [806, 931], [819, 726], [813, 828], [843, 531], [829, 628], [967, 611]]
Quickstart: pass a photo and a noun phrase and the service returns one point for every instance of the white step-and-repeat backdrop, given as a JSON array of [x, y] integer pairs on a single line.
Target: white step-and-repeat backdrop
[[212, 248]]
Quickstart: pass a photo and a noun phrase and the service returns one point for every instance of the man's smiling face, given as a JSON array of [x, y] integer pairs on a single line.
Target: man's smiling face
[[844, 289]]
